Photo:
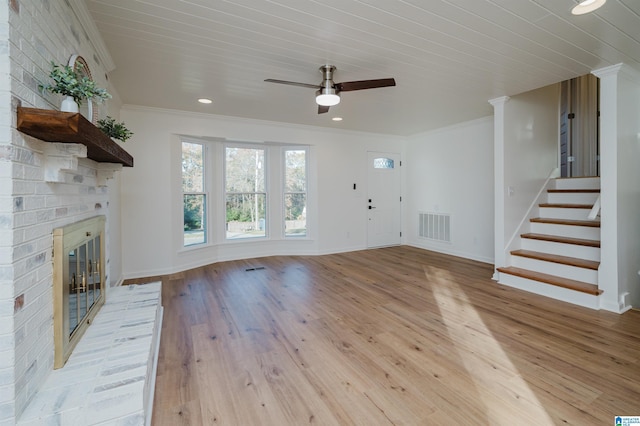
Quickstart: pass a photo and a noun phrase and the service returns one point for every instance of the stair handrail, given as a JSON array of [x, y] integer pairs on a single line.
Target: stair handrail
[[531, 212], [595, 210]]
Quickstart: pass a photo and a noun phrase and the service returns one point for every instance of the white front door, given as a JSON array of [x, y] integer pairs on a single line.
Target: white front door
[[383, 200]]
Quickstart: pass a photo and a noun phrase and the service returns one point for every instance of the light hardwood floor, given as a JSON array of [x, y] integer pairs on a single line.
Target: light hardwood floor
[[394, 336]]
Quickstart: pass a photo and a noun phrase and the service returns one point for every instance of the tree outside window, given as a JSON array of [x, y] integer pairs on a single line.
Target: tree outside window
[[245, 193], [193, 195], [295, 192]]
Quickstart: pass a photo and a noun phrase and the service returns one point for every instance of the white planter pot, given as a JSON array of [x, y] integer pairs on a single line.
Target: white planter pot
[[69, 104]]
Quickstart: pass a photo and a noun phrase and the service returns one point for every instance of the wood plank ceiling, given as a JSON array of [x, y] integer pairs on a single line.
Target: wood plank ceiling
[[448, 57]]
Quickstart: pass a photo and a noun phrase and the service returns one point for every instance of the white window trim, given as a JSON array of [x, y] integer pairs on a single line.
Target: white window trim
[[267, 184], [207, 163], [283, 153]]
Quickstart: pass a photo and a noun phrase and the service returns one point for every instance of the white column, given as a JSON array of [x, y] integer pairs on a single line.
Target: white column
[[620, 194], [608, 271], [498, 166]]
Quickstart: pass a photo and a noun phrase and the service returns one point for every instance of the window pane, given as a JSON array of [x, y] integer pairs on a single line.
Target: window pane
[[244, 170], [192, 167], [295, 206], [383, 163], [194, 219], [246, 215], [295, 171]]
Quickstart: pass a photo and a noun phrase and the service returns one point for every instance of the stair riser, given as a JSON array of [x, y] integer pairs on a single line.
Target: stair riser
[[558, 293], [584, 232], [565, 271], [572, 197], [562, 249], [578, 183], [564, 213]]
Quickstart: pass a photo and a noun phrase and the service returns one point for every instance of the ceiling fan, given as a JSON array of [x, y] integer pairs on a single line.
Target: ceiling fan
[[328, 92]]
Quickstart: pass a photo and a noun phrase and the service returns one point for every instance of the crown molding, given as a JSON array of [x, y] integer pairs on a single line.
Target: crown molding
[[621, 69], [89, 26], [607, 71], [499, 101]]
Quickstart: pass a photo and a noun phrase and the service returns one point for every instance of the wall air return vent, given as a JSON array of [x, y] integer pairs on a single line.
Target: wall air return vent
[[434, 226]]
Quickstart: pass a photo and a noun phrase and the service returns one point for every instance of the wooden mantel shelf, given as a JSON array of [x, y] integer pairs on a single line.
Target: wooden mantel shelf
[[71, 127]]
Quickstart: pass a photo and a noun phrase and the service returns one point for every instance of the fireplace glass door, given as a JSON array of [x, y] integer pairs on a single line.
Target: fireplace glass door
[[84, 281], [79, 289]]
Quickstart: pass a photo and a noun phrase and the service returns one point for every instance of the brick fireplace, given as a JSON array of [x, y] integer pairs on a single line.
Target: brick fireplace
[[32, 205]]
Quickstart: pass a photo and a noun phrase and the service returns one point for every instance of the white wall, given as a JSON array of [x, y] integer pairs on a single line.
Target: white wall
[[151, 203], [450, 170], [525, 149], [531, 132], [36, 33], [114, 214]]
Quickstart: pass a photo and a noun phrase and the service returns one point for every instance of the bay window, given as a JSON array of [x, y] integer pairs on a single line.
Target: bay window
[[227, 191]]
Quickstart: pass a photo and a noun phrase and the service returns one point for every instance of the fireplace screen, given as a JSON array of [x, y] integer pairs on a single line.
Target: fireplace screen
[[78, 256]]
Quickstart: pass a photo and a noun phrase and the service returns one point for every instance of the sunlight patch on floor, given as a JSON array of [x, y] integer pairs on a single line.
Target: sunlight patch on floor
[[507, 398]]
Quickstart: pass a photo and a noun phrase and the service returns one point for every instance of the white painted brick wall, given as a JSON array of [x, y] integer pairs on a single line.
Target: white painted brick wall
[[31, 36], [7, 336]]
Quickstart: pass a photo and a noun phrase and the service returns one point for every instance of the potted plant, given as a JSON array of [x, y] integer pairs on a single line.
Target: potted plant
[[74, 86], [113, 129]]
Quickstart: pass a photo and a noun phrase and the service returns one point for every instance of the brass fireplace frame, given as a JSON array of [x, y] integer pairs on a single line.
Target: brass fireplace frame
[[78, 280]]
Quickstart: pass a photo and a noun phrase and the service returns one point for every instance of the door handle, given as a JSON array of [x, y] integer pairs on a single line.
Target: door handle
[[371, 207]]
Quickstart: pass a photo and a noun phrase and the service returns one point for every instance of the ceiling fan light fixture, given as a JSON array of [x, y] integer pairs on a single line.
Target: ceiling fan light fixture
[[587, 6], [327, 97], [328, 92]]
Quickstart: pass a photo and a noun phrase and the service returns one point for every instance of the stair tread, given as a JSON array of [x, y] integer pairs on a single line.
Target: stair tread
[[555, 258], [565, 240], [581, 191], [553, 280], [566, 206], [590, 223]]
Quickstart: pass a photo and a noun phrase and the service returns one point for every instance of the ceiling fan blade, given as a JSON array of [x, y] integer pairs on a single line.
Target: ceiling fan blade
[[293, 83], [347, 86], [322, 109]]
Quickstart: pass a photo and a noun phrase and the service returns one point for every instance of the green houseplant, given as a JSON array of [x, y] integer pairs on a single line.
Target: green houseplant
[[68, 82], [113, 129]]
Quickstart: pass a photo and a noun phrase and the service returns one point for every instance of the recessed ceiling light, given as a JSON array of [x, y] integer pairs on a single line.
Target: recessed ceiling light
[[205, 101], [337, 118], [587, 6]]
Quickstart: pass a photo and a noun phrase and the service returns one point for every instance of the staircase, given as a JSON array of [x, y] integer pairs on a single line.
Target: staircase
[[560, 255]]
